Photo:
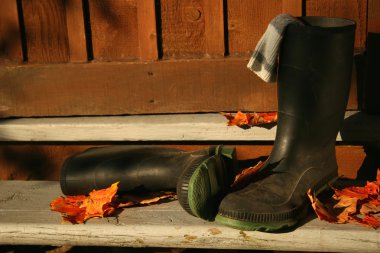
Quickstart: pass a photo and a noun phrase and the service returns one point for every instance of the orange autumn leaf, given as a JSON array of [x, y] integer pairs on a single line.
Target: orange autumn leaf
[[353, 192], [245, 176], [246, 120], [348, 206], [262, 118], [101, 203], [320, 209], [370, 207], [353, 205], [152, 198], [240, 119], [98, 202], [70, 208], [78, 209], [369, 220]]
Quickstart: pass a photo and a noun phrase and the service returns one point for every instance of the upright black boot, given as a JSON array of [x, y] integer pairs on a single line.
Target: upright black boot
[[201, 177], [313, 85]]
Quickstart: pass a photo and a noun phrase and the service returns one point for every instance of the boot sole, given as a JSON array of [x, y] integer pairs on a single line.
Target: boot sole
[[203, 185], [271, 226], [260, 226]]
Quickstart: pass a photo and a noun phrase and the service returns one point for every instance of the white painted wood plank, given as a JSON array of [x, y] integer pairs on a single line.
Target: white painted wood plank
[[179, 127], [25, 218]]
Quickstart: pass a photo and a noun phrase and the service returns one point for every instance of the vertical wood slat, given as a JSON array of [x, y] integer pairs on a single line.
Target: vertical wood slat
[[147, 33], [292, 7], [374, 16], [247, 21], [192, 28], [46, 31], [10, 38], [114, 29], [350, 9], [214, 27], [75, 30]]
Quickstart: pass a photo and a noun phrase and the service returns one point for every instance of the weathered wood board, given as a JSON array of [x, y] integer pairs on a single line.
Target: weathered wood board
[[117, 88], [25, 218], [358, 127], [350, 9]]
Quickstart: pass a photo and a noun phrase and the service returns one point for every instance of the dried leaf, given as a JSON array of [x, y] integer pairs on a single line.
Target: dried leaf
[[247, 120], [353, 192], [348, 207], [240, 119], [151, 198], [369, 220], [78, 209], [98, 202], [370, 207], [245, 176], [320, 209], [157, 199], [262, 118], [354, 205]]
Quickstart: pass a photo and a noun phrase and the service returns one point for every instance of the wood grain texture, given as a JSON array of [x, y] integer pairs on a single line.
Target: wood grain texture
[[374, 16], [350, 9], [43, 161], [75, 31], [46, 31], [114, 26], [25, 219], [133, 88], [214, 28], [247, 21], [146, 18], [357, 128], [192, 28], [10, 36], [292, 7]]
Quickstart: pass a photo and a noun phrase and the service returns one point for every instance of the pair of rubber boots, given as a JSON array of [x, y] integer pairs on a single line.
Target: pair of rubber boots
[[314, 78]]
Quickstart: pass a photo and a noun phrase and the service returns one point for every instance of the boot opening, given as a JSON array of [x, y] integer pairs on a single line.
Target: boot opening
[[326, 22]]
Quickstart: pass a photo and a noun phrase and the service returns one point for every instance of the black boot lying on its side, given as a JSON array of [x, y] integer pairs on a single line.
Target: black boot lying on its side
[[201, 177]]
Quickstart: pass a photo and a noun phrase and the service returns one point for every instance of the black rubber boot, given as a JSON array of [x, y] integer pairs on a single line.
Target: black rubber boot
[[313, 86], [201, 177]]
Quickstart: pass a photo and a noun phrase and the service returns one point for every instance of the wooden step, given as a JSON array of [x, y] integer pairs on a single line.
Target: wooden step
[[25, 218], [358, 127]]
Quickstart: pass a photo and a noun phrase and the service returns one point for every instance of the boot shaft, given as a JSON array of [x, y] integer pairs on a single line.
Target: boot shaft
[[314, 79]]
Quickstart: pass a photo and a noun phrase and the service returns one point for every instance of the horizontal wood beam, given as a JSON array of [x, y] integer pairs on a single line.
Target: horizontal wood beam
[[358, 127], [25, 219], [116, 88]]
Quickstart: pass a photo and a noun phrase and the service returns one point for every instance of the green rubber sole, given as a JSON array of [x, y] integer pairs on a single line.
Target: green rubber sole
[[261, 226], [203, 186]]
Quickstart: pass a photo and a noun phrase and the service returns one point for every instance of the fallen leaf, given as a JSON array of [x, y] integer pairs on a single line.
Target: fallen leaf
[[353, 192], [98, 202], [247, 120], [147, 199], [320, 209], [348, 206], [101, 203], [262, 118], [370, 207], [240, 119], [353, 205], [78, 209], [245, 176], [369, 220]]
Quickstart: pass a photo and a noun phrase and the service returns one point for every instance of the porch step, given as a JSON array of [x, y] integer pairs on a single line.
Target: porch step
[[25, 219], [358, 127]]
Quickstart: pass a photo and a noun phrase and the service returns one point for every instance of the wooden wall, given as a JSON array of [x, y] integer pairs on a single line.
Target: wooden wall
[[112, 57]]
